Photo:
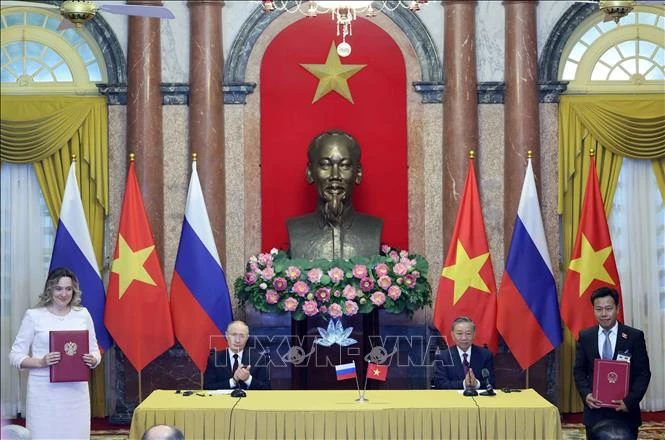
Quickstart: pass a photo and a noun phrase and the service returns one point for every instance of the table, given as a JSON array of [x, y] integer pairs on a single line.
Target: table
[[388, 414]]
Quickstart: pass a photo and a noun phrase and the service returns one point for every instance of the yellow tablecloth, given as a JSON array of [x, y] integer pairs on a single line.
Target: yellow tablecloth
[[389, 414]]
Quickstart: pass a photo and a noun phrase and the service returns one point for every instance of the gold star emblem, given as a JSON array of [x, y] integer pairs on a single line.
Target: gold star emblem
[[129, 265], [333, 75], [466, 272], [591, 265], [376, 372]]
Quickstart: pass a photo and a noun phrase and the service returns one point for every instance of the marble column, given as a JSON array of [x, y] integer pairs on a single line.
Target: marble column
[[521, 119], [206, 110], [144, 116], [460, 104]]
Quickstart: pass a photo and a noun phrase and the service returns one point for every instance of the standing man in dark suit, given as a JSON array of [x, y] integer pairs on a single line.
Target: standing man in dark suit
[[611, 340], [460, 366], [236, 367]]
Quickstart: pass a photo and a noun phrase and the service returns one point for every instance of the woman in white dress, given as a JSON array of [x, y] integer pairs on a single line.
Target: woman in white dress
[[59, 410]]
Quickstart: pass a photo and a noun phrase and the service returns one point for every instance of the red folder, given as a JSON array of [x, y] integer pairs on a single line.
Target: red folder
[[610, 381], [72, 345]]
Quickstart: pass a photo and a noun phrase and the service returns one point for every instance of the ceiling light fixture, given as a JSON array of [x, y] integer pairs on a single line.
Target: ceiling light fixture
[[342, 12]]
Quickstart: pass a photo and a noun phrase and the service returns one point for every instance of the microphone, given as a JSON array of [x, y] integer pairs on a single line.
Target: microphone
[[486, 377]]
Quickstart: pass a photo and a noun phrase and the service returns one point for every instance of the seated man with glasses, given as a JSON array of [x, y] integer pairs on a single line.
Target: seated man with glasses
[[237, 367]]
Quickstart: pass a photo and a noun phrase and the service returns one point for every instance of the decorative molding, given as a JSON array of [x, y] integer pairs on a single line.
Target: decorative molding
[[176, 93], [237, 93], [432, 92], [491, 92]]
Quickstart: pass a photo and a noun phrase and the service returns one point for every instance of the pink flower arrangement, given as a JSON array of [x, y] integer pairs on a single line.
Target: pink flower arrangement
[[393, 280]]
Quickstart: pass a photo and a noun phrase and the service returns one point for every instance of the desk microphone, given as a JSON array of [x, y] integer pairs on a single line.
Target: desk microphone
[[469, 390], [486, 377], [238, 391]]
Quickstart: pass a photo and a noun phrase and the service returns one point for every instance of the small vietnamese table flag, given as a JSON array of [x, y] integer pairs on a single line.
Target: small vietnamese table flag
[[137, 308], [377, 372], [592, 263]]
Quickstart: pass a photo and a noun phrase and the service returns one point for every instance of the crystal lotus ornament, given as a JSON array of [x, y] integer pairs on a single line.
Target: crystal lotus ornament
[[335, 334]]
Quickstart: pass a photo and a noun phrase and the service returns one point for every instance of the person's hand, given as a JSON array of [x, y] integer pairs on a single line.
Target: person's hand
[[622, 405], [242, 373], [51, 358], [470, 379], [89, 360], [592, 402]]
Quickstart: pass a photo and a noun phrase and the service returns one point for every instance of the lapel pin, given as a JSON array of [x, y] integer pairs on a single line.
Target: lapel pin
[[623, 335]]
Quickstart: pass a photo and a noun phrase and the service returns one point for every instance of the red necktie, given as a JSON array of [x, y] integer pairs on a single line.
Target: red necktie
[[465, 363]]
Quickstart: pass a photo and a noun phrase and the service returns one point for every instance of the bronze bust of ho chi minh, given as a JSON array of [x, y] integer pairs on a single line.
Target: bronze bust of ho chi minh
[[335, 230]]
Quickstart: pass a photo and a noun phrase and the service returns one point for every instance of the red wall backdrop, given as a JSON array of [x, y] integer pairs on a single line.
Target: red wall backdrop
[[289, 120]]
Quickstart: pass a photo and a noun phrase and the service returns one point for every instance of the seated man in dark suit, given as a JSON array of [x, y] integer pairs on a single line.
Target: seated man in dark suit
[[460, 366], [236, 367], [611, 340]]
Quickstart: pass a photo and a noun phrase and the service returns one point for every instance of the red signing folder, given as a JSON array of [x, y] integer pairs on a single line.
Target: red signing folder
[[72, 345], [610, 381]]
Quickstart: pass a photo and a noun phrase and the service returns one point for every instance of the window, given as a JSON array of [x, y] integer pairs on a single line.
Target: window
[[39, 58], [603, 55]]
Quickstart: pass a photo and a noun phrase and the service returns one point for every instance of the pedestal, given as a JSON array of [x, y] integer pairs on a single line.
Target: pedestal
[[317, 372]]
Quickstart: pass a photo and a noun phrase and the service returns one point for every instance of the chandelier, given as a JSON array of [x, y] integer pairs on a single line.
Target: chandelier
[[342, 12], [615, 9]]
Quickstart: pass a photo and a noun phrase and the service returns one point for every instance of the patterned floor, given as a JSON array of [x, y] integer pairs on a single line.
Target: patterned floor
[[571, 431], [648, 431]]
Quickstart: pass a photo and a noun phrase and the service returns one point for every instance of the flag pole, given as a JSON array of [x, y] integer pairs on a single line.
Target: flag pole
[[140, 391], [365, 387], [361, 397]]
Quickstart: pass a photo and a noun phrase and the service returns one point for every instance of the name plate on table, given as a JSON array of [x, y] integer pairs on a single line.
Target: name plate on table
[[72, 345], [610, 381]]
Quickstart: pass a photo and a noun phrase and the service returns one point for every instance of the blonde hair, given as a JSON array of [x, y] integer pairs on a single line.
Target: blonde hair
[[46, 297]]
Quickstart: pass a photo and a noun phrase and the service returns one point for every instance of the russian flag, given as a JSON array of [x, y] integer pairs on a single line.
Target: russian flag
[[345, 371], [73, 249], [200, 301], [528, 310]]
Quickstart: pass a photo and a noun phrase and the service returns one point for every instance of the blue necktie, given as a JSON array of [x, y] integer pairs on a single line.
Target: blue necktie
[[607, 346]]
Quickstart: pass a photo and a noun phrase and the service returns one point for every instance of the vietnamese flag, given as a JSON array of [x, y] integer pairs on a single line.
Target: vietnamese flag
[[137, 308], [592, 263], [377, 372], [467, 286]]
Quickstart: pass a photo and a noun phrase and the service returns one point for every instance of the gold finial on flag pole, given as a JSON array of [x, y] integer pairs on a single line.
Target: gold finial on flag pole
[[529, 154], [472, 154], [194, 156], [73, 157], [592, 152], [132, 157]]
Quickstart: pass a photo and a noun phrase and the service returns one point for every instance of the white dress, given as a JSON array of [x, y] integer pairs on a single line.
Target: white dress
[[53, 410]]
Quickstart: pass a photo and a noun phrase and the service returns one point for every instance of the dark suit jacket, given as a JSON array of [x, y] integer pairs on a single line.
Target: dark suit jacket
[[449, 372], [218, 371], [630, 341]]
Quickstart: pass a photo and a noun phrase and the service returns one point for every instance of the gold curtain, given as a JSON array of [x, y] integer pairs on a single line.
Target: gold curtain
[[46, 131], [615, 126]]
